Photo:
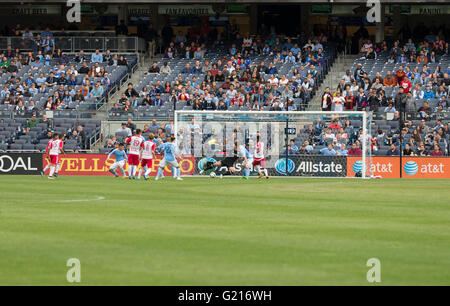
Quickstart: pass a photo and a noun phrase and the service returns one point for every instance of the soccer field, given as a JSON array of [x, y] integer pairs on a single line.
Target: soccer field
[[205, 231]]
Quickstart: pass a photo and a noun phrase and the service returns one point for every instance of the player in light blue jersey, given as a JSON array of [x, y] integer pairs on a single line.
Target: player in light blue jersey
[[120, 157], [247, 159], [170, 152]]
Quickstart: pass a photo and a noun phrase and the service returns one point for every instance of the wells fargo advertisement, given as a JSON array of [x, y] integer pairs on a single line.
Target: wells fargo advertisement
[[98, 164], [412, 167]]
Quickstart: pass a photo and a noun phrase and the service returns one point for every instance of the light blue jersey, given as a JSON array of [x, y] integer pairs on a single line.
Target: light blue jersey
[[119, 155], [244, 152], [169, 150]]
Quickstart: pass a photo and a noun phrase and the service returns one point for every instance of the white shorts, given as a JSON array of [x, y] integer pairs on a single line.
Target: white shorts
[[165, 163], [117, 165]]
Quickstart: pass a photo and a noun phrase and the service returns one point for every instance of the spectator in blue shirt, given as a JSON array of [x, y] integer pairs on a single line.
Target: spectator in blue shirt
[[96, 93], [328, 151], [157, 101], [48, 44], [271, 69], [342, 151], [287, 46], [295, 49], [290, 58], [428, 94], [97, 57], [187, 69]]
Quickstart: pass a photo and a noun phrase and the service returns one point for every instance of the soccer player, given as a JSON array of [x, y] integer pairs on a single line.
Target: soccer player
[[58, 166], [259, 161], [227, 162], [170, 153], [247, 159], [148, 153], [136, 143], [54, 147], [121, 157]]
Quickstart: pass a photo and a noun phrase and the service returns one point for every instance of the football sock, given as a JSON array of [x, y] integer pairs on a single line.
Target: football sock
[[147, 171], [123, 171], [258, 169], [130, 171], [178, 172], [160, 173], [52, 170]]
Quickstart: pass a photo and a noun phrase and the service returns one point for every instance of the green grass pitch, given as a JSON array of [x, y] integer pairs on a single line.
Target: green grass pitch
[[204, 231]]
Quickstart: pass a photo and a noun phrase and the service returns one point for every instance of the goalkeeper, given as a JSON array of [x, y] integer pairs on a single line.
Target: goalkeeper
[[227, 162]]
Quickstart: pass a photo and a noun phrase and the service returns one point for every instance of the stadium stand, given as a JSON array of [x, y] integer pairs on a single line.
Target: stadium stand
[[261, 78], [406, 89]]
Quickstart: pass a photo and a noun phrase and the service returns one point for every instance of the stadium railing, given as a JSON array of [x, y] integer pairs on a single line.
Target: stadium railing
[[77, 43]]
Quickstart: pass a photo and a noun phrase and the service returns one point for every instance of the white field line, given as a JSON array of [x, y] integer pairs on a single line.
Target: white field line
[[84, 200]]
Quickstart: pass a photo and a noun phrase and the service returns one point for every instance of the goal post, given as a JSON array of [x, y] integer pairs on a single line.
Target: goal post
[[304, 144]]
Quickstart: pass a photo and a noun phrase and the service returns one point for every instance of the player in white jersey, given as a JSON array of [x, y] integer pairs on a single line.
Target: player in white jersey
[[259, 162], [136, 143], [58, 165], [148, 153], [54, 147]]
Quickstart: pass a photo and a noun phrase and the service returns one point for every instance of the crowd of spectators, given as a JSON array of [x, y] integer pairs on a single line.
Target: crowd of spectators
[[51, 72], [233, 79], [357, 91], [343, 137]]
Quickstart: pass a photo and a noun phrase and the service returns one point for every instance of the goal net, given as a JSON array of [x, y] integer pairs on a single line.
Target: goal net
[[308, 144]]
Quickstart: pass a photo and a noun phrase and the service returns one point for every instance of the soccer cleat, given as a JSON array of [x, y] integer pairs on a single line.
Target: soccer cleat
[[202, 171], [51, 178], [56, 175], [260, 176], [267, 177], [146, 177], [42, 173], [221, 176], [179, 179], [245, 178], [138, 179], [124, 177]]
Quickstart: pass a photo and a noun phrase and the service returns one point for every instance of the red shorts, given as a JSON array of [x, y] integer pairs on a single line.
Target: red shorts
[[260, 162], [133, 160], [147, 163], [54, 159]]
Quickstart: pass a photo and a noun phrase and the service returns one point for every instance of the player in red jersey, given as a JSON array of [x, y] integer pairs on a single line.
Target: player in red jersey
[[136, 143], [148, 153], [54, 147], [259, 162]]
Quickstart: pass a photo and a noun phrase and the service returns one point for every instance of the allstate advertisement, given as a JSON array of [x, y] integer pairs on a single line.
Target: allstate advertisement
[[316, 166]]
